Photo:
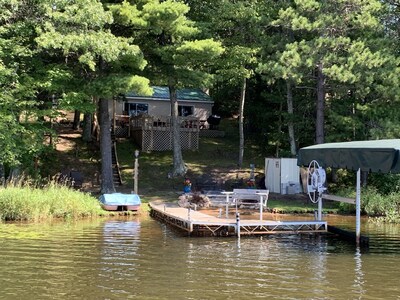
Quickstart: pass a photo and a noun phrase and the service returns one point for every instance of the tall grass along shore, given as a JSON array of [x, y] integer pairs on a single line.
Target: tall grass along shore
[[27, 203]]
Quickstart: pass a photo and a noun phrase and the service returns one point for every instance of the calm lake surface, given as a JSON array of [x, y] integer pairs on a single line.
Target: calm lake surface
[[139, 258]]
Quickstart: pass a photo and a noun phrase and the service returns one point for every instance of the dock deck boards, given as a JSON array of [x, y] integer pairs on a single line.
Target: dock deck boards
[[199, 223]]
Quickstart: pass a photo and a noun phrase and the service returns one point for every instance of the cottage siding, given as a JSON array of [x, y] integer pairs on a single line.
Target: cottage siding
[[202, 110]]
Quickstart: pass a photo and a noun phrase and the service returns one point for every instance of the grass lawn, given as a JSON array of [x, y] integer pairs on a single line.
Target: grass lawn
[[215, 160]]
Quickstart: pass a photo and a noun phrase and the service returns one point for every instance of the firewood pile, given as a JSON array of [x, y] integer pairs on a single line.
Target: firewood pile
[[194, 201]]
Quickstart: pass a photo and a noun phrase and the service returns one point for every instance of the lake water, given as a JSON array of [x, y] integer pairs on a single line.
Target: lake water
[[139, 258]]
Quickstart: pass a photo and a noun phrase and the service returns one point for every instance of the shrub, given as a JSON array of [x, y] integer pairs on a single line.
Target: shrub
[[374, 204], [385, 183]]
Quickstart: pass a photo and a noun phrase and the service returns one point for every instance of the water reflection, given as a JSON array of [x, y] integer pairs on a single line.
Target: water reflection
[[359, 275], [119, 257], [143, 259]]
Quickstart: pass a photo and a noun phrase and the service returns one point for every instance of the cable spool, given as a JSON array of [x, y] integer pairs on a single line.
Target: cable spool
[[316, 178]]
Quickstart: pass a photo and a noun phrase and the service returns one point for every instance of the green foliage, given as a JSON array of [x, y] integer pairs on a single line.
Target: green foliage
[[382, 207], [79, 32], [385, 184], [76, 51], [23, 106], [376, 204], [27, 203], [345, 39]]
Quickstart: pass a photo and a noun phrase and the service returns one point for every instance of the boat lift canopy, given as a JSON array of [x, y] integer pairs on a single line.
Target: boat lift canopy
[[372, 156]]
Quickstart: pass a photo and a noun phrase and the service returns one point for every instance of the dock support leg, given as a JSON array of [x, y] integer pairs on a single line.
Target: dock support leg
[[358, 207], [320, 209], [238, 224]]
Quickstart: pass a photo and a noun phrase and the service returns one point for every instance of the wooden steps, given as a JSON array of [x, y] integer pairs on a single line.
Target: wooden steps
[[117, 179]]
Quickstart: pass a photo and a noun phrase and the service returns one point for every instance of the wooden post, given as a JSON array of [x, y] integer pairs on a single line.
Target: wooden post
[[136, 171], [114, 121]]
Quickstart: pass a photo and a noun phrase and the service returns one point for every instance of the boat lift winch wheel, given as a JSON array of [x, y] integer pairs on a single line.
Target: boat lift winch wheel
[[316, 177]]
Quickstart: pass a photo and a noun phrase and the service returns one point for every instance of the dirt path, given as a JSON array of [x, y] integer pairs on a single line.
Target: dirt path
[[72, 154]]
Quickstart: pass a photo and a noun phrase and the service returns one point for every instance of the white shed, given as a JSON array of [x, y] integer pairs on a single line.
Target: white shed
[[282, 175]]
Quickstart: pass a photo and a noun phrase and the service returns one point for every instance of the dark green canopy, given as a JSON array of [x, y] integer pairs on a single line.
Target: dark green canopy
[[375, 156]]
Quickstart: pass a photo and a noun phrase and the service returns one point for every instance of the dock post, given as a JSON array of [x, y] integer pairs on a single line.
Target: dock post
[[189, 214], [220, 213], [238, 224], [262, 195], [165, 208]]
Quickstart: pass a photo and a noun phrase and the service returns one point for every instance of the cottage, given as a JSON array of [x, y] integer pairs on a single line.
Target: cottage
[[191, 102], [149, 118]]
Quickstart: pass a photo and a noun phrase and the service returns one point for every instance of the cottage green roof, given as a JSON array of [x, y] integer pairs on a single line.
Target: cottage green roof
[[162, 92]]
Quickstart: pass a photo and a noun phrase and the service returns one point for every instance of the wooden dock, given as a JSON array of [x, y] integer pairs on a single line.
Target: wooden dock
[[196, 223]]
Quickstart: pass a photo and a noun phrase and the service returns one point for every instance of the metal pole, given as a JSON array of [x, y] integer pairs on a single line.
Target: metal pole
[[261, 207], [358, 207], [320, 209], [238, 224]]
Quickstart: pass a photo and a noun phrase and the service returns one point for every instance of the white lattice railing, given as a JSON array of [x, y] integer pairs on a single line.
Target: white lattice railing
[[154, 133]]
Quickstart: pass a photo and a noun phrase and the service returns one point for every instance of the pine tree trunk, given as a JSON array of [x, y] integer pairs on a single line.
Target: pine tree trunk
[[77, 120], [87, 127], [320, 118], [107, 184], [292, 139], [2, 174], [241, 121], [278, 139], [179, 165]]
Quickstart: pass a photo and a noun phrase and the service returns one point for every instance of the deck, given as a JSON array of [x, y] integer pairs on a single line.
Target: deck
[[197, 223]]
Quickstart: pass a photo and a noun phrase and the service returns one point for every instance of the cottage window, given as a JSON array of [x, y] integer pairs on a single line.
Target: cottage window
[[135, 109], [185, 111]]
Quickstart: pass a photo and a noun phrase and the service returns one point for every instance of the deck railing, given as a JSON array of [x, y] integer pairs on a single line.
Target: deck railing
[[147, 122]]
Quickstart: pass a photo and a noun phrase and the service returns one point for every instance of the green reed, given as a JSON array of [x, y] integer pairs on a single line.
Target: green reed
[[28, 202]]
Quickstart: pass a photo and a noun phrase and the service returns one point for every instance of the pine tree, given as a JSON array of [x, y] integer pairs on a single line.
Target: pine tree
[[176, 57], [103, 64], [336, 43]]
